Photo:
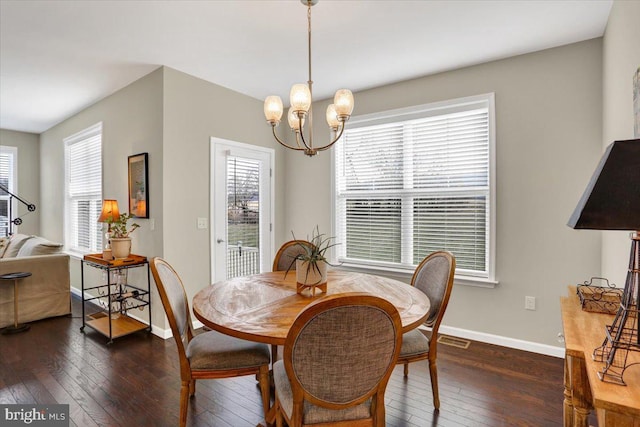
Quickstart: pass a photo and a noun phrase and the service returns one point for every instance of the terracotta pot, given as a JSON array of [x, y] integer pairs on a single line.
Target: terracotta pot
[[120, 247]]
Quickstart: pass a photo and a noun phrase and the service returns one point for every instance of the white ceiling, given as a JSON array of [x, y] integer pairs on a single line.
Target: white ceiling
[[58, 57]]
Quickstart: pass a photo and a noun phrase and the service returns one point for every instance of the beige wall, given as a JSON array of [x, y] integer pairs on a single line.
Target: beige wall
[[195, 111], [548, 115], [131, 124], [621, 59], [172, 116], [549, 119], [28, 176]]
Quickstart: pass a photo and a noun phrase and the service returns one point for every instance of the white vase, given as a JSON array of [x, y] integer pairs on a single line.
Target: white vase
[[120, 247], [309, 275]]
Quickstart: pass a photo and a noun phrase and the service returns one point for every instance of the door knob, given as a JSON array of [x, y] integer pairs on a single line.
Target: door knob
[[220, 240]]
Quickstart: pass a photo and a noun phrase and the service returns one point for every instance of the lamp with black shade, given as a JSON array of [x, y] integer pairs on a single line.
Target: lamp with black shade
[[612, 202]]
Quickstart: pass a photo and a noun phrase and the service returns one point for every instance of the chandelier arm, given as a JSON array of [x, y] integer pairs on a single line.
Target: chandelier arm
[[273, 128], [304, 141], [334, 141]]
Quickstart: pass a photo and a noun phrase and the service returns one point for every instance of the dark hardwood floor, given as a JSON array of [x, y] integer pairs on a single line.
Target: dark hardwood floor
[[135, 382]]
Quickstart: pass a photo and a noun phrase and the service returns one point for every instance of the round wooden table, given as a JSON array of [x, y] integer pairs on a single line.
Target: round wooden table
[[263, 307]]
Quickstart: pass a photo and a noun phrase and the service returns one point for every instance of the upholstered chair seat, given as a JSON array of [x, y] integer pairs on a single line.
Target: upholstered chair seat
[[211, 351], [414, 342]]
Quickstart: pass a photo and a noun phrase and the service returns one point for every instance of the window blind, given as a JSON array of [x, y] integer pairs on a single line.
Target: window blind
[[7, 178], [83, 154], [407, 188]]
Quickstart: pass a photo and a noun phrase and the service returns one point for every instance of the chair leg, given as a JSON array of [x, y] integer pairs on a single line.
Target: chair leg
[[192, 387], [406, 369], [265, 389], [278, 413], [184, 402], [433, 371]]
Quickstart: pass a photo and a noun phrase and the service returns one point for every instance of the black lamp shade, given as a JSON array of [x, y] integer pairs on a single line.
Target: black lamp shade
[[612, 198]]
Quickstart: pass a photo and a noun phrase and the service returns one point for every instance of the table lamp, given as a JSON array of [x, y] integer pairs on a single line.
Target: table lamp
[[612, 202], [110, 212]]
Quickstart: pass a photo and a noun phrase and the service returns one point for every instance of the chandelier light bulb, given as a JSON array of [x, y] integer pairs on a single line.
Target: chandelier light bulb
[[273, 109], [294, 123], [343, 101], [332, 117], [300, 97]]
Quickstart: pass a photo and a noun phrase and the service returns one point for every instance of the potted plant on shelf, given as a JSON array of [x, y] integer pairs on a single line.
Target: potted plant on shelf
[[311, 263], [120, 231]]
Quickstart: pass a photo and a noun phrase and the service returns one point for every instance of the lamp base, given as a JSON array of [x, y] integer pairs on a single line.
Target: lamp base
[[623, 335]]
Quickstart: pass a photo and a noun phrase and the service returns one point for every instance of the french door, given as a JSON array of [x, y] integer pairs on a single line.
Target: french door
[[242, 209]]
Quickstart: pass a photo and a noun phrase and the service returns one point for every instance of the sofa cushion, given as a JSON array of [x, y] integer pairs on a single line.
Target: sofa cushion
[[4, 244], [17, 240], [38, 246]]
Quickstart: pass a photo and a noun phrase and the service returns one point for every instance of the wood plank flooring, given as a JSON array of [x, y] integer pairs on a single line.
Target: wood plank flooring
[[135, 382]]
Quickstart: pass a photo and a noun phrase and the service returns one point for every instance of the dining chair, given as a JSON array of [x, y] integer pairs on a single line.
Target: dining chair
[[208, 355], [434, 277], [284, 259], [338, 357]]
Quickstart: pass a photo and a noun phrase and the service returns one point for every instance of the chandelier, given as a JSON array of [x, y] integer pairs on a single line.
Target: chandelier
[[300, 99]]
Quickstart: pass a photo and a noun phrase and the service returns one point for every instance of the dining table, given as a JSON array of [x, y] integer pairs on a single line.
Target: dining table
[[262, 307]]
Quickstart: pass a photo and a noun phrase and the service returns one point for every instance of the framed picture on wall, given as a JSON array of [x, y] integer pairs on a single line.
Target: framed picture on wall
[[139, 185]]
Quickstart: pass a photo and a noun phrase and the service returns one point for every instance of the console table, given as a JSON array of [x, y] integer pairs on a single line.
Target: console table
[[615, 405], [113, 300]]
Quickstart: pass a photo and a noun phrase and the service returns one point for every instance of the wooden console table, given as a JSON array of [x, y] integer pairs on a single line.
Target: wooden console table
[[615, 405]]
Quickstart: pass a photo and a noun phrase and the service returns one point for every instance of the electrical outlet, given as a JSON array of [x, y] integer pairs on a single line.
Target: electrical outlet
[[529, 303], [202, 223]]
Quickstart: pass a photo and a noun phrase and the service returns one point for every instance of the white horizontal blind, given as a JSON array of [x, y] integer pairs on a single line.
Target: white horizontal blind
[[83, 159], [7, 180], [243, 216], [408, 188]]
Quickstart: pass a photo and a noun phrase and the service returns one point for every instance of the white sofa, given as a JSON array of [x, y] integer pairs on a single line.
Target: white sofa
[[47, 292]]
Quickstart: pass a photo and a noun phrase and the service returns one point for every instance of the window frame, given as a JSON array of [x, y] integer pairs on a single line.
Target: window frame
[[417, 112], [80, 137], [12, 186]]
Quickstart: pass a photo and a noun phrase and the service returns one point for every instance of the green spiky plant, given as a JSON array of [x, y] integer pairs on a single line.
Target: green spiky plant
[[314, 253]]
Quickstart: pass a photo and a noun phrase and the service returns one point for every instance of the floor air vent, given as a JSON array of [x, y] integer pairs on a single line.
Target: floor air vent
[[454, 342]]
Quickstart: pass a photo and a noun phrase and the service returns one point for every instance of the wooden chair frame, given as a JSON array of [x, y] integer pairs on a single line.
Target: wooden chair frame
[[300, 395], [434, 325], [188, 377]]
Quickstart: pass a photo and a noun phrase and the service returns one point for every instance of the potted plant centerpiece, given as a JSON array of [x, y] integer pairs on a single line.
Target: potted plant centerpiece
[[311, 263], [120, 240]]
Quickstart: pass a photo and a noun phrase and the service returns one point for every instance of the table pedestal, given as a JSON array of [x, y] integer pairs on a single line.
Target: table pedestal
[[16, 327]]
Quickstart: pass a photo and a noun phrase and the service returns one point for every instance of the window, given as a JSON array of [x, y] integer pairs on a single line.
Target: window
[[8, 173], [83, 190], [412, 181]]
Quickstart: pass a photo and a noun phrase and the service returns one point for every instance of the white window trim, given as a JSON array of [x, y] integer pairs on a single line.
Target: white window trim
[[89, 132], [426, 110], [13, 186]]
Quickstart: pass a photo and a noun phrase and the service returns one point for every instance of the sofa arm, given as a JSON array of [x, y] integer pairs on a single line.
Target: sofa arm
[[46, 293]]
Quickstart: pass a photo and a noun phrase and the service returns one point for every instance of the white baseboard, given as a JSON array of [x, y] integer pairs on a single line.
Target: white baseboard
[[517, 344]]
